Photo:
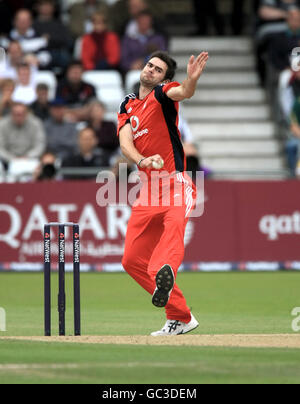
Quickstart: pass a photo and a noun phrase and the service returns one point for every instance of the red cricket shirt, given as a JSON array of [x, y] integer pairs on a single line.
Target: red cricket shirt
[[154, 121]]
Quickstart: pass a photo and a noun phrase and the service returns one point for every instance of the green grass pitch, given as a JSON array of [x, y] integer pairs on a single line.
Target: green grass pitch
[[113, 304]]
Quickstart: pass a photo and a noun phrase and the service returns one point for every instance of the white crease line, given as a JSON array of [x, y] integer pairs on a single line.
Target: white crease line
[[24, 366], [36, 366]]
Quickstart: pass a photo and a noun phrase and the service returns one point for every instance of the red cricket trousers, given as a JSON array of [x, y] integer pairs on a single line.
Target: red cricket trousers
[[155, 237]]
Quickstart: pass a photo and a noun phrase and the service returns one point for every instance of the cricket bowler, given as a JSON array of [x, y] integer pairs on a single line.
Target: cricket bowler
[[149, 137]]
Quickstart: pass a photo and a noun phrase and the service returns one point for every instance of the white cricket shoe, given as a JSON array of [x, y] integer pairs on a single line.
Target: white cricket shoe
[[175, 327]]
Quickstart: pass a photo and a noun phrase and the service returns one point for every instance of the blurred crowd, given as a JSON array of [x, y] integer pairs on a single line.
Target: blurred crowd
[[278, 50], [68, 38], [71, 37]]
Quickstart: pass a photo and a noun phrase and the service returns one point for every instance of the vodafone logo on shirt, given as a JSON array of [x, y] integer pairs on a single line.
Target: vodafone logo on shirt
[[135, 123]]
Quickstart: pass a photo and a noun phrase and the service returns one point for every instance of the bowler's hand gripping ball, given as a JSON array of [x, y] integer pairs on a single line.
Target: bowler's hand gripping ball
[[158, 165]]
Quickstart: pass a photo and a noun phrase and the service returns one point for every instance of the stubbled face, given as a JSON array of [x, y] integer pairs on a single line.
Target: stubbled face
[[154, 73]]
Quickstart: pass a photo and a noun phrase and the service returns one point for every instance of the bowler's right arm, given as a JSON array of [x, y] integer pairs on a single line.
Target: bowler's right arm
[[129, 150]]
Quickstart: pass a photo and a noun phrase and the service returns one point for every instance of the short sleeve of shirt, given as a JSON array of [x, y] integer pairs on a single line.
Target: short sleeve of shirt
[[123, 118], [161, 91], [168, 86]]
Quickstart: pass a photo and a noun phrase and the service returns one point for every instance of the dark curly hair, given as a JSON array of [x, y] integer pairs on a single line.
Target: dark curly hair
[[165, 57]]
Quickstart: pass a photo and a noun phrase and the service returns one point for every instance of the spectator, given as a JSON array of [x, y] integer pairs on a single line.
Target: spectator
[[60, 40], [14, 58], [21, 135], [293, 143], [289, 90], [192, 156], [281, 45], [89, 155], [41, 106], [61, 135], [124, 12], [81, 13], [75, 92], [186, 137], [100, 48], [295, 84], [206, 12], [135, 7], [286, 97], [25, 91], [46, 170], [136, 49], [31, 43], [105, 130], [7, 89], [272, 16]]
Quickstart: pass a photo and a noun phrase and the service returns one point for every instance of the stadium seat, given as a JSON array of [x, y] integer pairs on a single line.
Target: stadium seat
[[111, 116], [131, 79], [47, 77], [103, 79], [108, 86], [111, 98]]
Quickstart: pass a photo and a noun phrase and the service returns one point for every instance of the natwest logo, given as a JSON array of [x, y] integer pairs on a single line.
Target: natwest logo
[[275, 226]]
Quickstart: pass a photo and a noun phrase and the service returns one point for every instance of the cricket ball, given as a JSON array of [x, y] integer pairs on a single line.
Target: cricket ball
[[158, 165]]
